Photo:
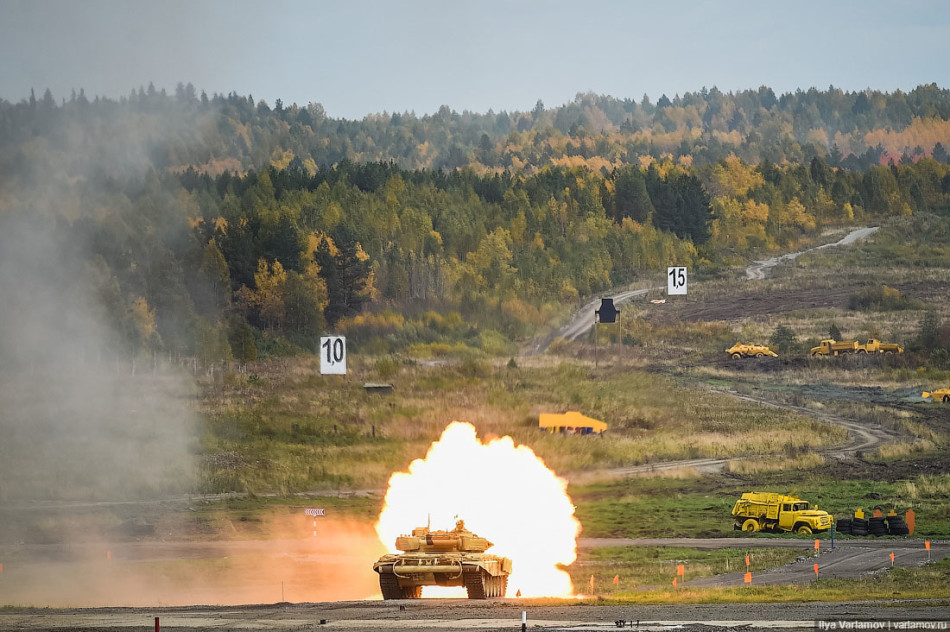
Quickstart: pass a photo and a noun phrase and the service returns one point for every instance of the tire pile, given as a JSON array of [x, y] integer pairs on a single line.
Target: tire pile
[[876, 526]]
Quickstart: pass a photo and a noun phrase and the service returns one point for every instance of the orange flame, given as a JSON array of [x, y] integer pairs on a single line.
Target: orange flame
[[503, 492]]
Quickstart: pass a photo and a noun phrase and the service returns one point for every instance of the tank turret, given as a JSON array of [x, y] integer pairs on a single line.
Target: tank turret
[[442, 558], [458, 539]]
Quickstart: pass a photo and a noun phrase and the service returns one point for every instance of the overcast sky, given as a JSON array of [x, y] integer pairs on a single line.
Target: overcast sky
[[358, 57]]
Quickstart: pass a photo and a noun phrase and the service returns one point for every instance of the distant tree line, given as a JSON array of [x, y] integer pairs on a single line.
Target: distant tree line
[[855, 130]]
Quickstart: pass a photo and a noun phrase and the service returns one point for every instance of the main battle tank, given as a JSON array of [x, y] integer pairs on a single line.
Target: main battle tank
[[442, 558]]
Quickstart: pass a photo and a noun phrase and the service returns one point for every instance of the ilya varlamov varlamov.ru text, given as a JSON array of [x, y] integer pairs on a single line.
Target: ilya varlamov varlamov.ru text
[[881, 625]]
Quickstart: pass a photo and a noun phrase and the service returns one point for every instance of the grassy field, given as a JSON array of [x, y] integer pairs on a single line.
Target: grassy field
[[701, 507], [645, 567], [294, 430], [926, 583]]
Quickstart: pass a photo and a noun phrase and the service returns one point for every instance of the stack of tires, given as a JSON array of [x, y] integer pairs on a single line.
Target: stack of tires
[[859, 526], [877, 526], [896, 525]]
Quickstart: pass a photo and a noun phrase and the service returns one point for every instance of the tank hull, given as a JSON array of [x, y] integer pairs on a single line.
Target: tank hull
[[482, 575]]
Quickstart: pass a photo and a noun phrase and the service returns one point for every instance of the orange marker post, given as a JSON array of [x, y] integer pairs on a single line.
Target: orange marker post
[[892, 559], [674, 581], [681, 570], [747, 561], [816, 570], [616, 579], [927, 546], [817, 545], [747, 578]]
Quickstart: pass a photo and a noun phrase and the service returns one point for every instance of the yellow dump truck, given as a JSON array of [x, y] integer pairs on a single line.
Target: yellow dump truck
[[765, 511], [873, 345], [942, 395], [750, 350], [834, 347]]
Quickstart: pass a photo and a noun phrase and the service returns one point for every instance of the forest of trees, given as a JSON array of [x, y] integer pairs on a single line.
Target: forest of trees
[[224, 229]]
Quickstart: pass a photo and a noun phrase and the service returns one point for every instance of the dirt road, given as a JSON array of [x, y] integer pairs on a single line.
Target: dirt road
[[761, 269], [583, 319], [499, 614]]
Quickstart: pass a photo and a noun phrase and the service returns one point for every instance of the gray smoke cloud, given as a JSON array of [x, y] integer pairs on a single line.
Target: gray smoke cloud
[[81, 418], [75, 423]]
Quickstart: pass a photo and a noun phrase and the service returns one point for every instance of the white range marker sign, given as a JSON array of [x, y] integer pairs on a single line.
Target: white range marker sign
[[676, 280], [333, 355]]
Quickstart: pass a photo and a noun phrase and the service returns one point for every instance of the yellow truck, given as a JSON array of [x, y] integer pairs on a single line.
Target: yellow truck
[[834, 347], [873, 345], [750, 350], [766, 511], [942, 394]]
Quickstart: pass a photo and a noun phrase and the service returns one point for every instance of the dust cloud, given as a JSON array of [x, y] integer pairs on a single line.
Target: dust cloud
[[288, 561], [82, 428], [76, 424]]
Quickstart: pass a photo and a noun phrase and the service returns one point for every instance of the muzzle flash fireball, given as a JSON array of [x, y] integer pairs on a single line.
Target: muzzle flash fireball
[[506, 494]]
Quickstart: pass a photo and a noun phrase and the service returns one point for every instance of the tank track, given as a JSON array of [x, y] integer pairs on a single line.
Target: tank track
[[389, 586], [474, 584], [481, 585]]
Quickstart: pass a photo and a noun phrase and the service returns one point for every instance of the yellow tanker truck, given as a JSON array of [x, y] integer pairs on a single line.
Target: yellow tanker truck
[[764, 511]]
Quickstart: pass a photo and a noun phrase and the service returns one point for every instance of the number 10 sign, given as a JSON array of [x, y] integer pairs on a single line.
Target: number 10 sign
[[333, 355], [676, 280]]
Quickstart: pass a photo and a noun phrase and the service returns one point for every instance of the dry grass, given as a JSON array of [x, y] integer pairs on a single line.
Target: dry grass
[[925, 486], [902, 450], [294, 430], [748, 467]]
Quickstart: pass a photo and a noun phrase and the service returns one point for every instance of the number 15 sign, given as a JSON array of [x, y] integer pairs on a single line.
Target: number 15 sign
[[333, 355], [676, 280]]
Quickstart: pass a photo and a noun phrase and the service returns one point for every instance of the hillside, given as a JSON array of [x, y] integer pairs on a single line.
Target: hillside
[[220, 229]]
